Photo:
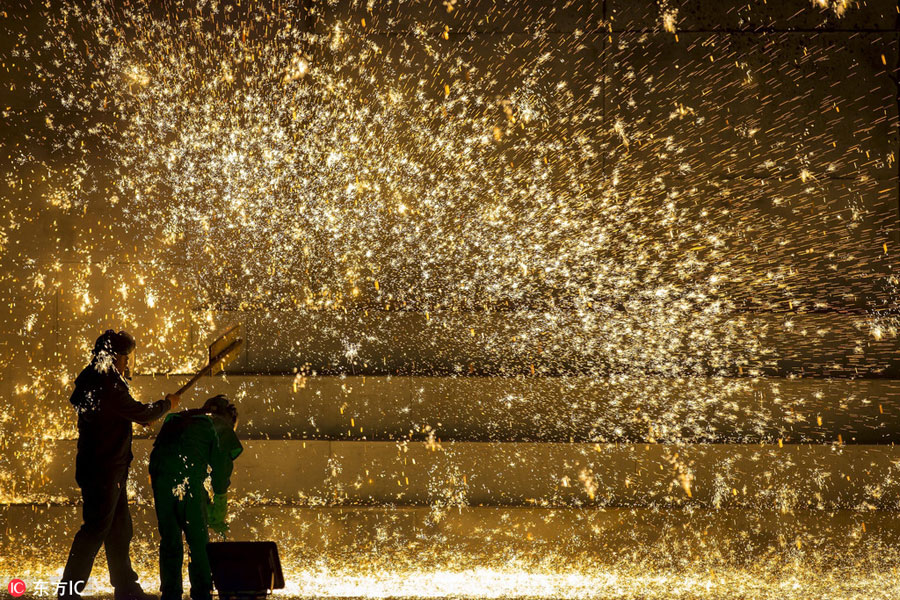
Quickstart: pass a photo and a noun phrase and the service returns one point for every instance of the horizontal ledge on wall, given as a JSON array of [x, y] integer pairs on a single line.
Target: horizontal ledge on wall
[[315, 473], [559, 409]]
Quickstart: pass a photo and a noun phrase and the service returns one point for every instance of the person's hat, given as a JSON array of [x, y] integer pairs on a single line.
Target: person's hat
[[111, 342], [221, 405]]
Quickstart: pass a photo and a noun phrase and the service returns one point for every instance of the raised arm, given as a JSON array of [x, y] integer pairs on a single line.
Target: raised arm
[[120, 401], [222, 465], [224, 448]]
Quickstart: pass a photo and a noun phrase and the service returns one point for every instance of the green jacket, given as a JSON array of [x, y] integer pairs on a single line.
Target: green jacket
[[192, 444]]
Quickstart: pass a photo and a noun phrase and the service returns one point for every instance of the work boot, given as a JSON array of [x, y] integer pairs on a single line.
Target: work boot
[[137, 594]]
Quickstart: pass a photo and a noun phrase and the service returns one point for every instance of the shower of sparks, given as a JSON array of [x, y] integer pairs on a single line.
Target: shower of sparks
[[662, 218]]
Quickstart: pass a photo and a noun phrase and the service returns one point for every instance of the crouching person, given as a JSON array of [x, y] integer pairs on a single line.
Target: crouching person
[[190, 445]]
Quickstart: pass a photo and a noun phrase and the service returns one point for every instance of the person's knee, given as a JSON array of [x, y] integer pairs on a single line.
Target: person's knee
[[169, 531], [99, 509], [170, 543], [120, 530], [195, 522], [197, 551], [96, 529], [169, 528], [197, 545]]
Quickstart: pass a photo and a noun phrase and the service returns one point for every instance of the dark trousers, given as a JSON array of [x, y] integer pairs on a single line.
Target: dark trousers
[[107, 523], [181, 507]]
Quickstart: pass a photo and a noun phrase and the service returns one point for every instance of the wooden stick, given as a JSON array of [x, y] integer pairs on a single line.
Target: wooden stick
[[194, 379], [224, 356]]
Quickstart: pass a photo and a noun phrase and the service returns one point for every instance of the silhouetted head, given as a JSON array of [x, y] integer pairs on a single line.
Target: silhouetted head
[[114, 343], [222, 406], [113, 348]]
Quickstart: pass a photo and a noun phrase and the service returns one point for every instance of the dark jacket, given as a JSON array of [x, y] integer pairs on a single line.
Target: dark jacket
[[191, 441], [106, 411]]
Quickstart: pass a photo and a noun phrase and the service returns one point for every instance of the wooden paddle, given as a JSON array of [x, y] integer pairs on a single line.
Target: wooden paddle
[[221, 352]]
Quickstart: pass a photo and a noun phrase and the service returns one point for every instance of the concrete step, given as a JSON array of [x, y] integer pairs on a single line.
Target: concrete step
[[597, 341], [553, 409], [387, 552], [457, 474]]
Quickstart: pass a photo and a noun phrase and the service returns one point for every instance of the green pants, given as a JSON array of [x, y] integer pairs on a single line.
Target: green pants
[[181, 507]]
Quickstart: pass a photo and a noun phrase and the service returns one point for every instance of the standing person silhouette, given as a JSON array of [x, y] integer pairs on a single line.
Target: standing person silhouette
[[106, 411]]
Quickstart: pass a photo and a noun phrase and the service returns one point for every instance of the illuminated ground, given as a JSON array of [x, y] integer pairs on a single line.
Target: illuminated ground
[[539, 553]]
